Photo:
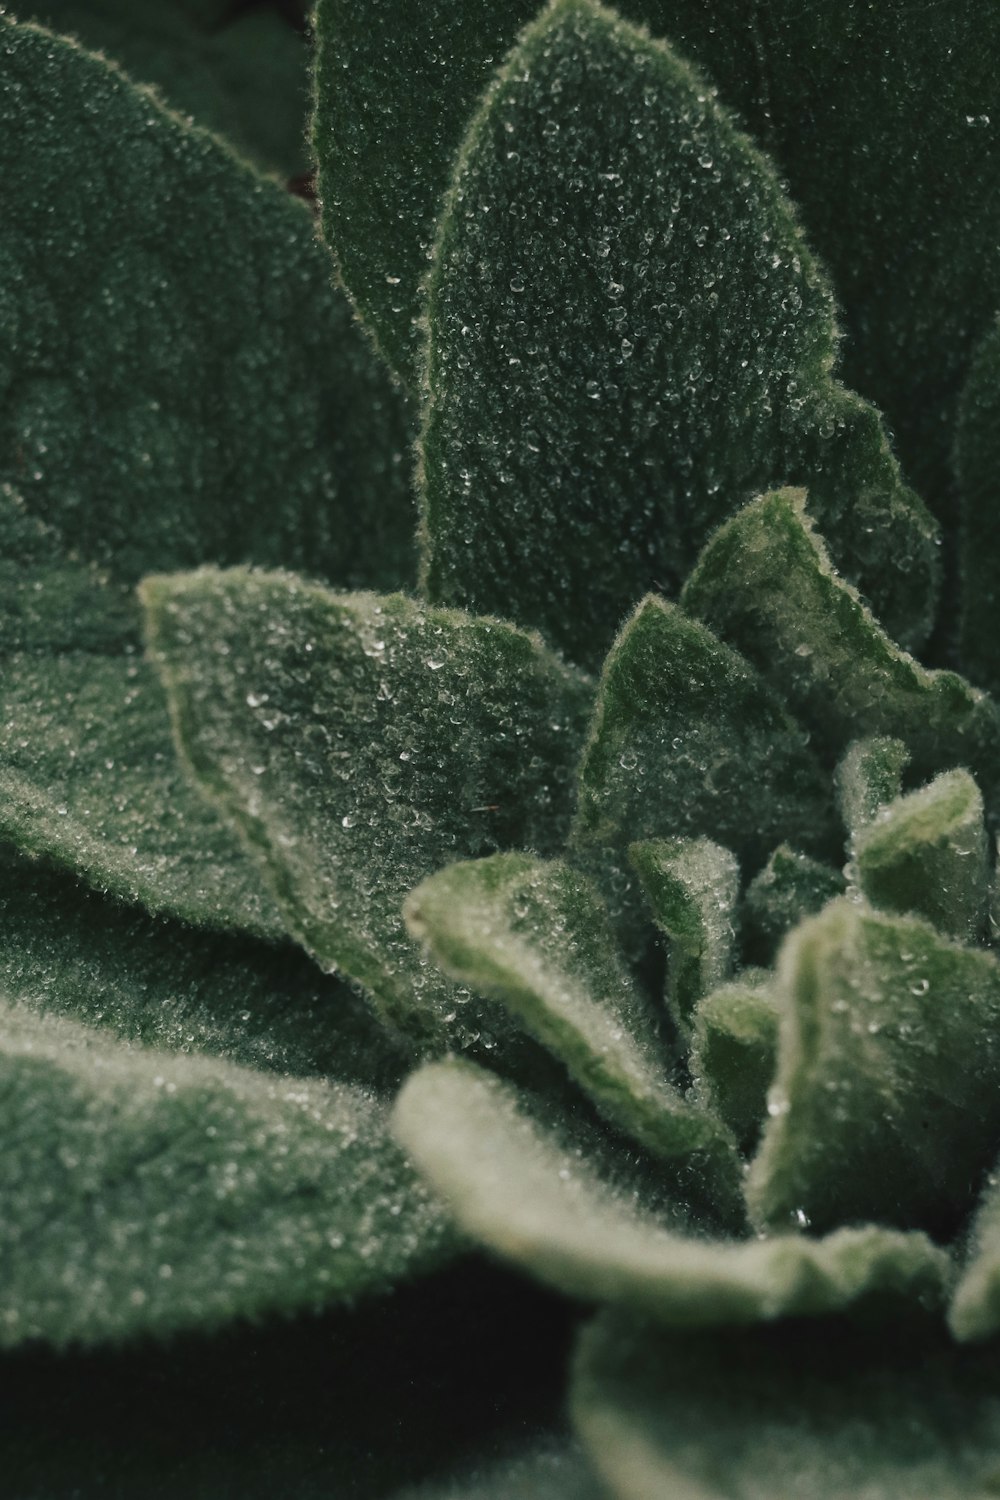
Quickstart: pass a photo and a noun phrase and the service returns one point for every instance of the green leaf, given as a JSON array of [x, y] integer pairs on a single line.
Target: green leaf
[[692, 886], [886, 1103], [766, 584], [543, 1471], [926, 853], [618, 259], [869, 776], [975, 1308], [977, 454], [672, 701], [147, 1192], [244, 79], [783, 1413], [360, 742], [535, 935], [554, 1205], [791, 886], [157, 983], [189, 383], [734, 1048]]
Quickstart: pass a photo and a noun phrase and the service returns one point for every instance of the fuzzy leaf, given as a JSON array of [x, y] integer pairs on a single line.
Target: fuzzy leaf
[[359, 742], [766, 584], [536, 936], [157, 983], [886, 1103], [869, 776], [975, 1309], [691, 886], [784, 1414], [978, 460], [542, 1200], [733, 1052], [622, 262], [791, 886], [244, 78], [672, 701], [926, 853], [543, 1471], [150, 1191]]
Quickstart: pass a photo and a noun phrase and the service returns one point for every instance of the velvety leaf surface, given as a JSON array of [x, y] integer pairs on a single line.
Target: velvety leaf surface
[[536, 936], [673, 700], [244, 78], [977, 455], [975, 1308], [869, 776], [157, 983], [885, 1104], [766, 584], [691, 886], [150, 1191], [548, 1471], [360, 742], [926, 853], [621, 261], [785, 1414], [541, 1200], [733, 1052], [789, 887]]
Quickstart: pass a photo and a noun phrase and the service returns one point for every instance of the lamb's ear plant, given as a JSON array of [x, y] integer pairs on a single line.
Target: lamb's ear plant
[[482, 769]]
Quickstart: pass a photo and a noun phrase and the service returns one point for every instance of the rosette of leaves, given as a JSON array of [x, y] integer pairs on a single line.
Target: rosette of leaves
[[616, 820]]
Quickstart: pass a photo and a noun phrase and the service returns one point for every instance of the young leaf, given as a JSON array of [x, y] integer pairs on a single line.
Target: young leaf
[[535, 935], [547, 1203], [691, 886], [734, 1048], [68, 951], [926, 853], [975, 1308], [147, 1192], [672, 701], [978, 458], [782, 1413], [869, 776], [766, 583], [791, 886], [359, 742], [178, 380], [617, 256], [242, 77], [885, 1105], [544, 1471]]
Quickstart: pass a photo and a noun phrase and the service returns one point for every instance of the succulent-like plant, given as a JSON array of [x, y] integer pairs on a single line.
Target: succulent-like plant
[[368, 901]]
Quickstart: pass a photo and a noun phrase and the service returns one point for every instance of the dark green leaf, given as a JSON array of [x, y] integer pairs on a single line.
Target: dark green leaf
[[68, 951], [553, 1204], [146, 1192], [621, 263], [685, 736], [545, 1471], [733, 1052], [869, 776], [536, 936], [975, 1309], [244, 79], [360, 742], [766, 583], [978, 460], [790, 886], [886, 1103], [785, 1414], [691, 886], [926, 853]]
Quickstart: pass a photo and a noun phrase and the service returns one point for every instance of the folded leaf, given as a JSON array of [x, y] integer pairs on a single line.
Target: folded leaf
[[869, 776], [975, 1308], [68, 951], [244, 79], [785, 1414], [766, 584], [791, 886], [550, 1205], [685, 736], [624, 262], [691, 886], [734, 1048], [978, 458], [147, 1192], [886, 1103], [360, 742], [926, 853], [535, 935]]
